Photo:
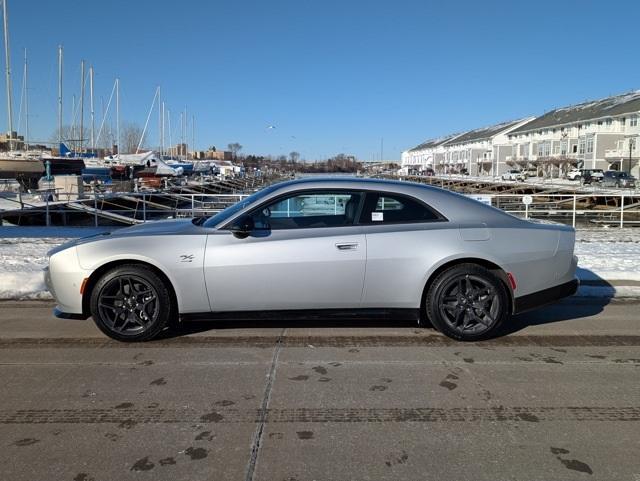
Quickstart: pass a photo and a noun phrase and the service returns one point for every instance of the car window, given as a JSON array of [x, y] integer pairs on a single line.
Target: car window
[[383, 208], [309, 210]]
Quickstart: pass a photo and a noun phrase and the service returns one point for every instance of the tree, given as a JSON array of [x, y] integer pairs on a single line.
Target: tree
[[129, 137], [235, 148], [294, 156]]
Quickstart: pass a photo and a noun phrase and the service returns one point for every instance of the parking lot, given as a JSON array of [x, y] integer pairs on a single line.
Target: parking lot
[[557, 398]]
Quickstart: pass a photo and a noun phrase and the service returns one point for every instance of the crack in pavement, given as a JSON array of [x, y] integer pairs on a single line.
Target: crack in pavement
[[264, 409]]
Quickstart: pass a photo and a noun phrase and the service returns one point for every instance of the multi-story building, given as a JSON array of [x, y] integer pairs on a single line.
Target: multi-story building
[[602, 134], [425, 155], [481, 151]]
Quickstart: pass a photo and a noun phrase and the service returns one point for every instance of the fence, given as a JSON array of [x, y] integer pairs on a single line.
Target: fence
[[618, 209], [130, 208]]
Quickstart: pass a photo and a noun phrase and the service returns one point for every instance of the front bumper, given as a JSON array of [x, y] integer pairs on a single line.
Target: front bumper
[[68, 315], [64, 277], [546, 296]]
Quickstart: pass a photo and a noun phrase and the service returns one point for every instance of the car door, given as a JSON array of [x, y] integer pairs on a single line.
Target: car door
[[304, 253], [404, 240]]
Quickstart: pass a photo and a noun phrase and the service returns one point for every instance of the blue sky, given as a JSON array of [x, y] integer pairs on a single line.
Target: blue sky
[[331, 76]]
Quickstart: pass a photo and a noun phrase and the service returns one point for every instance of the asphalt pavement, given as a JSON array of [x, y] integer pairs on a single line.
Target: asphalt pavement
[[558, 398]]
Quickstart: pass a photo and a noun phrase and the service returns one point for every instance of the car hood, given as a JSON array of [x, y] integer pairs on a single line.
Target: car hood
[[166, 227], [163, 227]]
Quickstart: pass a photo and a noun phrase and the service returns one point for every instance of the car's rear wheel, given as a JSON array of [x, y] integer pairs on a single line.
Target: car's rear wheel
[[131, 303], [467, 302]]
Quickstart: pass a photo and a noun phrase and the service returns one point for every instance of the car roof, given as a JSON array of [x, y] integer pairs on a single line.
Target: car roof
[[453, 206]]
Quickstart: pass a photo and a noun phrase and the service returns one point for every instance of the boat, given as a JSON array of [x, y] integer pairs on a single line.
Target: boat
[[25, 169]]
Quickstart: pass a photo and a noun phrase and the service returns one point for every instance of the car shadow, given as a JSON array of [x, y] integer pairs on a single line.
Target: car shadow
[[593, 296]]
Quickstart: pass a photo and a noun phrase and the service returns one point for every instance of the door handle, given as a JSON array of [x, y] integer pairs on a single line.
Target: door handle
[[347, 246]]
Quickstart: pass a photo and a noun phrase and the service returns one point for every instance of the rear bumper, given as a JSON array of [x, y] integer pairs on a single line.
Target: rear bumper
[[547, 296]]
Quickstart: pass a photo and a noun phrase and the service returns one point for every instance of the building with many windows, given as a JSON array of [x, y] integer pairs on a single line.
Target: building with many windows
[[481, 151], [602, 134]]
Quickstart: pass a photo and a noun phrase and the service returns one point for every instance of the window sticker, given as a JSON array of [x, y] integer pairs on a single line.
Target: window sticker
[[377, 216]]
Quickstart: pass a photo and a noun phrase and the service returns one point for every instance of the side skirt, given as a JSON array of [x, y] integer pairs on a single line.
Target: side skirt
[[305, 315]]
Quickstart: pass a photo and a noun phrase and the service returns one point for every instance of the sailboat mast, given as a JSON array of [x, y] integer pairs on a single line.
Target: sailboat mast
[[193, 133], [26, 102], [81, 103], [118, 114], [59, 95], [171, 153], [8, 72], [159, 121], [93, 126], [162, 130]]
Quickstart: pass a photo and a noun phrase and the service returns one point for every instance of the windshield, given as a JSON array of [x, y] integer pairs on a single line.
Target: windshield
[[235, 208]]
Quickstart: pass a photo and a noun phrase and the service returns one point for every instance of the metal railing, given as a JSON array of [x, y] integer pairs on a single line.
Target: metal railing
[[129, 208], [619, 209]]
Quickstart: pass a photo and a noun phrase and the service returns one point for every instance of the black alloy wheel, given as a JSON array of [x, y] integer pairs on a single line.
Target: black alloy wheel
[[467, 302], [131, 304]]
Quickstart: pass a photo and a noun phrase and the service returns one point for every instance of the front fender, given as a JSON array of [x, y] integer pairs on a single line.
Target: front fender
[[179, 258]]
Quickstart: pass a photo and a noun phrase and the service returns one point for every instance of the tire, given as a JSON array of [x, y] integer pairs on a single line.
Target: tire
[[467, 303], [126, 317]]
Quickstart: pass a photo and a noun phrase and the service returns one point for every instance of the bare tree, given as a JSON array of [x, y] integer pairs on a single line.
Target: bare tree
[[129, 137], [294, 156], [234, 148]]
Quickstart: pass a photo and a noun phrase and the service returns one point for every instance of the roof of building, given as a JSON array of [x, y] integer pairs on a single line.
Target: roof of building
[[483, 133], [610, 106], [428, 144]]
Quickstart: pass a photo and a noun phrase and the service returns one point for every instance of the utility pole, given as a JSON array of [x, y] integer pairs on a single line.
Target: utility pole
[[59, 95], [8, 72]]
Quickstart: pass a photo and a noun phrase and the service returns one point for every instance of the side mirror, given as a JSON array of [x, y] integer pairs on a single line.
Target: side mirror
[[243, 227]]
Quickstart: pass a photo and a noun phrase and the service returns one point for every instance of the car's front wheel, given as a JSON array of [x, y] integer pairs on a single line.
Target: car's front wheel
[[131, 303], [467, 302]]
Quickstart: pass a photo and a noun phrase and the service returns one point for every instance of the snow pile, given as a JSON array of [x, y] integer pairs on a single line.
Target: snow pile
[[609, 253], [21, 263]]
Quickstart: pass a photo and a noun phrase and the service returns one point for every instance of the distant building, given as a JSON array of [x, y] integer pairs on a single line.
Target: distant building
[[602, 134], [11, 141], [482, 151], [213, 154], [423, 156]]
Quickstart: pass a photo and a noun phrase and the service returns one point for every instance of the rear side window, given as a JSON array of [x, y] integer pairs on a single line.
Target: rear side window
[[384, 208]]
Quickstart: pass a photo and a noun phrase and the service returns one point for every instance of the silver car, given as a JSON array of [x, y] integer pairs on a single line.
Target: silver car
[[325, 248]]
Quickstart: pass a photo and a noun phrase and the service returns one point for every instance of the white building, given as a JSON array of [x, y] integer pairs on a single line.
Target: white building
[[423, 156], [481, 151], [603, 134]]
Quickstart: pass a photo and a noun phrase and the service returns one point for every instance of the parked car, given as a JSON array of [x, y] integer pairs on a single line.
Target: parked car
[[514, 175], [531, 172], [589, 176], [328, 248], [615, 178], [429, 172], [574, 174]]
